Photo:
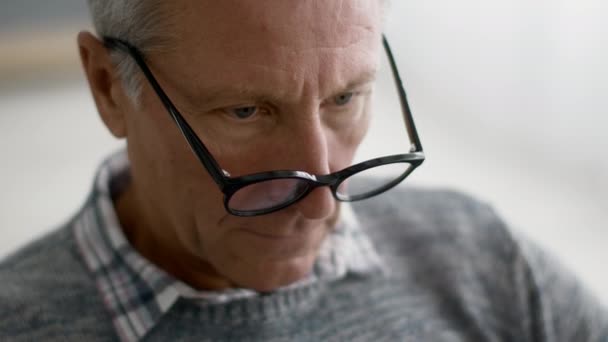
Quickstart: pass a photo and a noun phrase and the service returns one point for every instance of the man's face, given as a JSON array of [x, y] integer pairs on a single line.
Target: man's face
[[267, 85]]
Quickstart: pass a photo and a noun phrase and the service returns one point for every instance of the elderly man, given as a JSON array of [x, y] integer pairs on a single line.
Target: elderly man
[[228, 215]]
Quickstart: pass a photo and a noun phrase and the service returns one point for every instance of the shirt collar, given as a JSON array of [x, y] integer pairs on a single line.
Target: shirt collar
[[137, 293]]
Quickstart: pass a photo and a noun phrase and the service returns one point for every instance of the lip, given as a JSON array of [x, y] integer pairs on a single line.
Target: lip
[[282, 229], [269, 236], [274, 248]]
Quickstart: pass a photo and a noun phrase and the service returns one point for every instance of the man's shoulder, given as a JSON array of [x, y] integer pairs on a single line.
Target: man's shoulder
[[51, 260], [45, 287], [451, 248], [432, 216], [442, 235]]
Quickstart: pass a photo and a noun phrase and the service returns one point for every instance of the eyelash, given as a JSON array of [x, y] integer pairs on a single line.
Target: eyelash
[[353, 96], [260, 110]]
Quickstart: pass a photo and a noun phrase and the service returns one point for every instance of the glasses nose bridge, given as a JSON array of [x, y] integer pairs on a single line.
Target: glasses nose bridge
[[330, 180]]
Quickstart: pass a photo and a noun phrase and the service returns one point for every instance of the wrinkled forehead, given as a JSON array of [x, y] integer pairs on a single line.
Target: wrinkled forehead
[[283, 45], [299, 24]]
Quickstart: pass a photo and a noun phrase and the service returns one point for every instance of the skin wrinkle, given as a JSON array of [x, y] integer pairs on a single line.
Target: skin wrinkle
[[274, 69], [366, 78], [366, 28], [160, 33], [279, 68], [182, 98], [280, 43]]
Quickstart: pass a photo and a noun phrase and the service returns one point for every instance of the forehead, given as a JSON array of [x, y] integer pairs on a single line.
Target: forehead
[[293, 22], [277, 40]]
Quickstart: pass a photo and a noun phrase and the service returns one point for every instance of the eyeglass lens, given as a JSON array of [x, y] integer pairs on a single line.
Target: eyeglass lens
[[267, 194], [370, 180]]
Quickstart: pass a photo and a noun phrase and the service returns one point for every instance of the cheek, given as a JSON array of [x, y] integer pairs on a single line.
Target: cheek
[[157, 153], [343, 143], [199, 210], [176, 189]]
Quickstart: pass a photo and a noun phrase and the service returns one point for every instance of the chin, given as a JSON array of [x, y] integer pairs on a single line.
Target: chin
[[272, 275]]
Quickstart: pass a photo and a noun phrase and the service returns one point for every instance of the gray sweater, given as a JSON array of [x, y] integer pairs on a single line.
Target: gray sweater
[[455, 273]]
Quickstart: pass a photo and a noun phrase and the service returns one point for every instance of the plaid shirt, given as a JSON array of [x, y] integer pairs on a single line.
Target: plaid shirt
[[137, 293]]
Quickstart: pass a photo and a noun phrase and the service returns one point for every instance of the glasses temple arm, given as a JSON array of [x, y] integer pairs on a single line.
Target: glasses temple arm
[[195, 143], [409, 120]]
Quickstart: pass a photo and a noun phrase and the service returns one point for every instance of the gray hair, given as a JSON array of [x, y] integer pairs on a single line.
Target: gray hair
[[140, 22]]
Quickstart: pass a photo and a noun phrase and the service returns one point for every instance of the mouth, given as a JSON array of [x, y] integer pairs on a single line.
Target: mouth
[[271, 236], [276, 247], [284, 236]]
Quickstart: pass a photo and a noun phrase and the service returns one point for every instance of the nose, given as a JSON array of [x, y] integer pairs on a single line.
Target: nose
[[317, 205], [310, 152]]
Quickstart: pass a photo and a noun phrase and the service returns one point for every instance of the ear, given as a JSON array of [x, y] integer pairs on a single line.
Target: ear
[[104, 82]]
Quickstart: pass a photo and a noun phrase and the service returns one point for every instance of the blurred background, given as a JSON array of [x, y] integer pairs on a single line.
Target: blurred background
[[508, 95]]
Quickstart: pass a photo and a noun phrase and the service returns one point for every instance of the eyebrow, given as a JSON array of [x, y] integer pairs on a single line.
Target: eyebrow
[[210, 94], [206, 95], [368, 76]]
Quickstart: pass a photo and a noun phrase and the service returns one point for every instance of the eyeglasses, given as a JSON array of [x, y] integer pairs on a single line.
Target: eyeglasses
[[266, 192]]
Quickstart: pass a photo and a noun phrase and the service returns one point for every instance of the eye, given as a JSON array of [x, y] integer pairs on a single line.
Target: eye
[[343, 99], [244, 112]]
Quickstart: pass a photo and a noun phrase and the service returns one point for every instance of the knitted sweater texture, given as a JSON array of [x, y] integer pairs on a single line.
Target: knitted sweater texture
[[453, 272]]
